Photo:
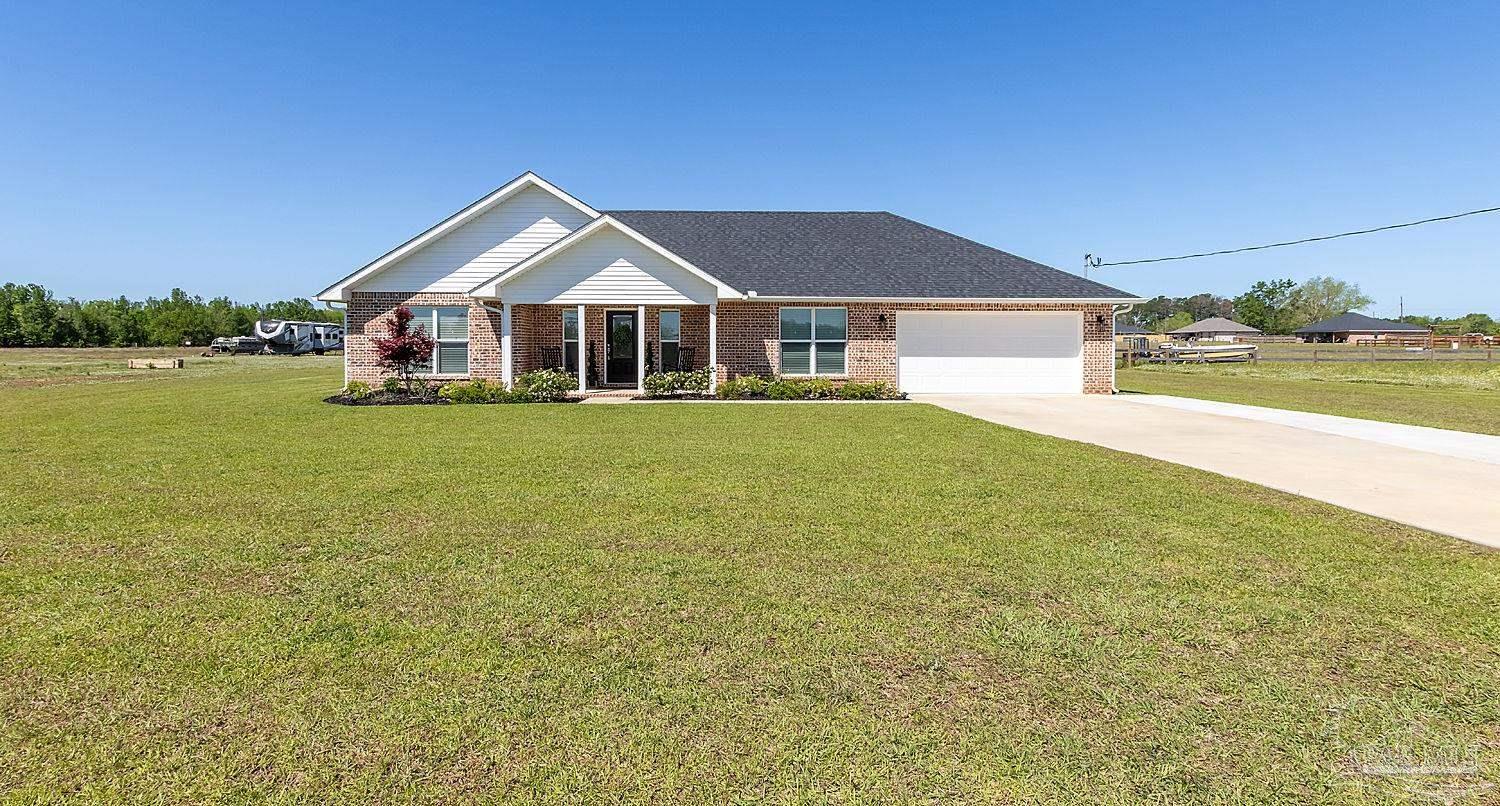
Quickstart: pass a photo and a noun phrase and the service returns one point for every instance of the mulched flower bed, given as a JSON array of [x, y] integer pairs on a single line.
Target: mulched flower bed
[[404, 399], [767, 399], [388, 399]]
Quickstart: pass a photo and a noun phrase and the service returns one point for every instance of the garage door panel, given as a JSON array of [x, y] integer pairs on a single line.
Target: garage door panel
[[989, 353]]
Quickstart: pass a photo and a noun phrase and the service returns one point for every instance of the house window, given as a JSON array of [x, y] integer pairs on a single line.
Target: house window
[[671, 340], [450, 328], [570, 339], [812, 340]]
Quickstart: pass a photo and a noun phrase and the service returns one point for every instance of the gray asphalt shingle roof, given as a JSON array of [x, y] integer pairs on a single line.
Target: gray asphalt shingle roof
[[1347, 322], [1215, 324], [850, 254]]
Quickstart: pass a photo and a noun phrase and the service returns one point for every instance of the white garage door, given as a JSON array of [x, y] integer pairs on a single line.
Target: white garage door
[[971, 352]]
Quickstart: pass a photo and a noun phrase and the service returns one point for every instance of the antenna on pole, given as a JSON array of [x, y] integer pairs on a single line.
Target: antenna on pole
[[1091, 262]]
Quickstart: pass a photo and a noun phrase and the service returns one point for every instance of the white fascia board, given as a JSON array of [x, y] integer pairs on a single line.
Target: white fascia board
[[339, 291], [1005, 300], [490, 289]]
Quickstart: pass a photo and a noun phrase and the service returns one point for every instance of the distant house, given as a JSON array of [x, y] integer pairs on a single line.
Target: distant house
[[1215, 328], [1356, 327], [1130, 337]]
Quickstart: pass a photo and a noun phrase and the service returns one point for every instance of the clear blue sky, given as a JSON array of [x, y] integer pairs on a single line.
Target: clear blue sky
[[263, 152]]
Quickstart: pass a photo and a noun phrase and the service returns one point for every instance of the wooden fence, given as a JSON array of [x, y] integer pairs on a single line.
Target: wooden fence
[[1435, 341]]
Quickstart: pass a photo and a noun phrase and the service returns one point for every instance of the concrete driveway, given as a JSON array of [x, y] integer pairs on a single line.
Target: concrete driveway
[[1442, 481]]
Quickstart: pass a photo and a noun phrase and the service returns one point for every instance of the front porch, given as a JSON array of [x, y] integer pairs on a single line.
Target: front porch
[[616, 347]]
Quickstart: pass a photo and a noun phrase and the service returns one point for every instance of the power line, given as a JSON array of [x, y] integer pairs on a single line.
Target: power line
[[1093, 262]]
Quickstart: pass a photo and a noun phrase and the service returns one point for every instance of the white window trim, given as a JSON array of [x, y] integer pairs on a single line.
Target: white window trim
[[438, 343], [577, 338], [812, 342], [661, 353]]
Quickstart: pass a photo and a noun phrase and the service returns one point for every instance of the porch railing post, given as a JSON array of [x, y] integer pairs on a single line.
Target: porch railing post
[[713, 344], [583, 376], [506, 367]]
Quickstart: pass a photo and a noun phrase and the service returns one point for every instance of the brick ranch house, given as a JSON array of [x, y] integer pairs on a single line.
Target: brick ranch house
[[530, 277]]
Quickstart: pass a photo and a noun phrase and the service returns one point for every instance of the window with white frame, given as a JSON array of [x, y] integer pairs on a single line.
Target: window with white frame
[[450, 329], [813, 340], [570, 339], [671, 340]]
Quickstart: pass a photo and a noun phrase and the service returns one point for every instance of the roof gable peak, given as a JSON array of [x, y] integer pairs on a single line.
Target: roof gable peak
[[339, 291], [491, 287]]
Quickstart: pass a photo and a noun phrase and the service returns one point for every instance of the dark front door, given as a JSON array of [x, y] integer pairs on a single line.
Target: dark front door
[[619, 347]]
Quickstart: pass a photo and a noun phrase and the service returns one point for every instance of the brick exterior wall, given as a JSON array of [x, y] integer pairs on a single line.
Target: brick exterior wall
[[369, 316], [749, 335], [750, 338]]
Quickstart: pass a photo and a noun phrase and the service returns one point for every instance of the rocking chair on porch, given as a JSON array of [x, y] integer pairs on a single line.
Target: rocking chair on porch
[[549, 357], [684, 359]]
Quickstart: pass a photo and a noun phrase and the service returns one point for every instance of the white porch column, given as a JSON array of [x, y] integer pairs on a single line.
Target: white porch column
[[713, 344], [506, 367], [640, 348], [583, 369]]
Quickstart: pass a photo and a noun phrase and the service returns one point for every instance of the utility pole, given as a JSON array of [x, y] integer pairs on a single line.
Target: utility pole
[[1403, 307], [1090, 262]]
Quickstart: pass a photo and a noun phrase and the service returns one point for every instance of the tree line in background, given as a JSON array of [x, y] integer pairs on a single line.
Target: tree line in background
[[1282, 306], [31, 317]]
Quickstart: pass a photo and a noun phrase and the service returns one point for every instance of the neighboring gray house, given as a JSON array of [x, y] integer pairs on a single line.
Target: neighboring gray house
[[1215, 328], [1356, 327]]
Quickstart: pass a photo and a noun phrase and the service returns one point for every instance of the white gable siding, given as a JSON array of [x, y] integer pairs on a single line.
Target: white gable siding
[[608, 268], [493, 242]]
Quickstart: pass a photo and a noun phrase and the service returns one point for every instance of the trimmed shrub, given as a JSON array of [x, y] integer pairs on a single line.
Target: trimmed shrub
[[698, 381], [358, 390], [876, 390], [480, 390], [666, 384], [660, 384], [476, 391], [547, 385], [786, 389], [819, 389], [742, 387]]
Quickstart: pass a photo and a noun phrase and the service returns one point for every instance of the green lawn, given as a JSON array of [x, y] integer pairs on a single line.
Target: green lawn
[[46, 366], [1461, 395], [220, 588], [1300, 351]]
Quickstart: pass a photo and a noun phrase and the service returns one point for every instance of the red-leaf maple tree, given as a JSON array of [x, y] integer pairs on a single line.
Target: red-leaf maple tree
[[405, 349]]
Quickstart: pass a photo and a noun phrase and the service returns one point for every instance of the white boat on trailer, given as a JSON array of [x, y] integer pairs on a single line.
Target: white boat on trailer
[[1203, 353]]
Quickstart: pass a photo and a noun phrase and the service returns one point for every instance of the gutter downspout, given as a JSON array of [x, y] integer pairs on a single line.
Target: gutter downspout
[[1114, 388]]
